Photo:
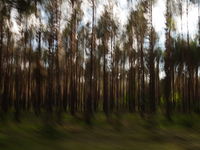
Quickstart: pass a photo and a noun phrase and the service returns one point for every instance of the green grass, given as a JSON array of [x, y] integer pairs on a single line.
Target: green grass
[[126, 131]]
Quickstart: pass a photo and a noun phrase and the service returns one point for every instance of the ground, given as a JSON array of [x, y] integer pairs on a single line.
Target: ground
[[126, 131]]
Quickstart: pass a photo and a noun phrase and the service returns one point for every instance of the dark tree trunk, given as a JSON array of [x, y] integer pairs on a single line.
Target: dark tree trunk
[[72, 58], [142, 81], [112, 76], [167, 65], [5, 100], [16, 104], [1, 49], [182, 65], [38, 79], [158, 82], [105, 94], [152, 72], [197, 90], [58, 89], [11, 76], [189, 70], [24, 80], [172, 69], [29, 72]]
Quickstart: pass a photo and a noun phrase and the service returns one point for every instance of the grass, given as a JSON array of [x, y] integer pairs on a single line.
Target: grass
[[126, 131]]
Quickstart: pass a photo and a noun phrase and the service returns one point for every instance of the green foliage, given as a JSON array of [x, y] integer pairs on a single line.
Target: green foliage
[[117, 131], [162, 101], [187, 121]]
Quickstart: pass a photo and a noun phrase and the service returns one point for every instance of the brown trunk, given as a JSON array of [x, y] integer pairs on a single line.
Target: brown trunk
[[152, 72], [189, 70], [131, 69], [172, 68], [29, 72], [138, 83], [11, 76], [182, 65], [24, 82], [120, 85], [79, 86], [76, 75], [158, 84], [95, 70], [197, 90], [167, 65], [123, 82], [38, 79], [58, 93], [117, 98], [1, 49], [72, 57], [99, 88], [105, 102], [142, 80], [112, 76], [16, 104]]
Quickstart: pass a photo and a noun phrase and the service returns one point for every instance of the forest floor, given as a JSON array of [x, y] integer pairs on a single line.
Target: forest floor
[[118, 132]]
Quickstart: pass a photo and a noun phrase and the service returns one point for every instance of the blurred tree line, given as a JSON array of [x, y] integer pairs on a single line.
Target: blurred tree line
[[95, 66]]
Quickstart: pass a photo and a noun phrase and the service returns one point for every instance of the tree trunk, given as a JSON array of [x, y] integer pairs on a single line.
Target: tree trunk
[[142, 80], [38, 79], [189, 70], [167, 65], [152, 72], [24, 82], [182, 65], [72, 58], [16, 104], [1, 49], [105, 102]]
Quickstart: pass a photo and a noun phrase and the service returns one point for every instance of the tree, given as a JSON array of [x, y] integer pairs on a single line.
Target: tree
[[167, 61], [72, 55], [189, 67], [142, 30], [151, 64]]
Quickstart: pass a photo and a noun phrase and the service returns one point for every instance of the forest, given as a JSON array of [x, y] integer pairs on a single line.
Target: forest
[[73, 76]]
